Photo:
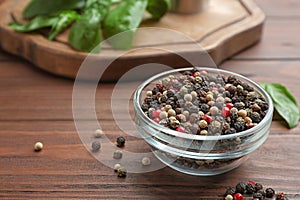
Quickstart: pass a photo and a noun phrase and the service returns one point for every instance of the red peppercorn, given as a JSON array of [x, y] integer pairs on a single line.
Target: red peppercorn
[[229, 105], [249, 125], [196, 74], [238, 196], [204, 72], [225, 112], [251, 182], [207, 118], [156, 119], [156, 113], [181, 129], [160, 87]]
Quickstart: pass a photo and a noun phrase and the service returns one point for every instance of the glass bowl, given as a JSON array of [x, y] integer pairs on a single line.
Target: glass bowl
[[196, 154]]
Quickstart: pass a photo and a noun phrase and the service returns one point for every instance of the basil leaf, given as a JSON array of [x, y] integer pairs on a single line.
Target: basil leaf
[[45, 7], [85, 34], [158, 8], [124, 19], [65, 18], [284, 102], [35, 24]]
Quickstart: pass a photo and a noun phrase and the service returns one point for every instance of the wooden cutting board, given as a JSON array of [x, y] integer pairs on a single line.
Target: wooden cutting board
[[225, 28]]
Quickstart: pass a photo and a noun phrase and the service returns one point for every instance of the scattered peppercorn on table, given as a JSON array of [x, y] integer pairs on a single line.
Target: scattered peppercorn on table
[[37, 107]]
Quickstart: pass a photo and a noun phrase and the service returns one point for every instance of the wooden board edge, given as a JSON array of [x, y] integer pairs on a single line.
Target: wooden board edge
[[243, 34]]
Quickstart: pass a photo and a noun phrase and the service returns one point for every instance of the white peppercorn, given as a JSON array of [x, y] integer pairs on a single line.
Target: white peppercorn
[[188, 97], [171, 112], [163, 115], [242, 113], [146, 161], [38, 146], [117, 167], [214, 110], [98, 133], [203, 124], [194, 94]]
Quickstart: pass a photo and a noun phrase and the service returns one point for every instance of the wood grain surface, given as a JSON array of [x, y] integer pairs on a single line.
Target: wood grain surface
[[36, 106]]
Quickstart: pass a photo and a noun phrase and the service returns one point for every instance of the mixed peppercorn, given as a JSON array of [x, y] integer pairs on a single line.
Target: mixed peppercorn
[[201, 103], [252, 189]]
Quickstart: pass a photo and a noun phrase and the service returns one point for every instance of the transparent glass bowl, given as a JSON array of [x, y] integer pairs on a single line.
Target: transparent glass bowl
[[197, 154]]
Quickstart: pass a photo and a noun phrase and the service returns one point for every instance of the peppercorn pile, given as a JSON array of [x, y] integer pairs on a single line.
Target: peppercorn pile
[[252, 189], [202, 103]]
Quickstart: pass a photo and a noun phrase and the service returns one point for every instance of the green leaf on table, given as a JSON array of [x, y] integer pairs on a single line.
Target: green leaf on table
[[284, 102]]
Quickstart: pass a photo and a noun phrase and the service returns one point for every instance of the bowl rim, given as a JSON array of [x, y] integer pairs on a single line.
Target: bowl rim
[[165, 130]]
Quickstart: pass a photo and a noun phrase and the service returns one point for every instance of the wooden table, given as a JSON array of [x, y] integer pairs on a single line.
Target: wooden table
[[36, 106]]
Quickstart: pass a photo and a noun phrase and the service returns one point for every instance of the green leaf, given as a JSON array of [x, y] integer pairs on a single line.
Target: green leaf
[[124, 19], [85, 34], [65, 18], [46, 7], [284, 102], [158, 8], [35, 24]]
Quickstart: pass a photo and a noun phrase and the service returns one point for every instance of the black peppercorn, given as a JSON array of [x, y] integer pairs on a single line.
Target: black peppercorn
[[170, 93], [120, 141], [262, 192], [258, 196], [204, 108], [239, 105], [255, 117], [145, 107], [270, 192], [250, 189], [239, 126], [230, 131], [229, 191], [258, 186], [240, 188]]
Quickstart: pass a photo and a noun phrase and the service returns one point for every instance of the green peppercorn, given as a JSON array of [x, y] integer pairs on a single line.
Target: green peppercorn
[[118, 154], [122, 172], [96, 146]]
